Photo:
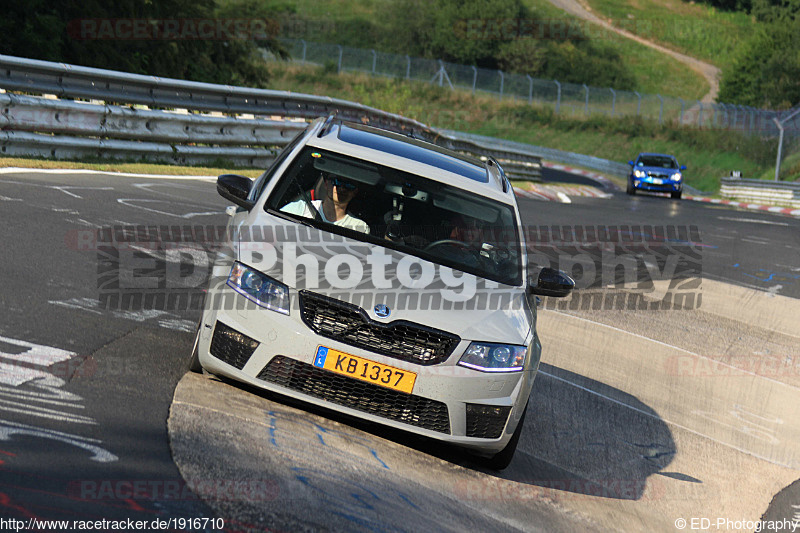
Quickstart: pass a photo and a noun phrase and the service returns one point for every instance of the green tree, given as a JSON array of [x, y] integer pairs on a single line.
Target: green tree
[[775, 10], [52, 31], [766, 72], [462, 31]]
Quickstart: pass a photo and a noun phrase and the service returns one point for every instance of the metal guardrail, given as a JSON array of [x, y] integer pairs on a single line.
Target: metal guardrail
[[565, 98], [551, 154], [769, 192], [192, 122]]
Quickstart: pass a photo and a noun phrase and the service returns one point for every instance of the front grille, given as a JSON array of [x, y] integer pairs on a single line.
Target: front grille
[[486, 421], [366, 397], [349, 324], [232, 347]]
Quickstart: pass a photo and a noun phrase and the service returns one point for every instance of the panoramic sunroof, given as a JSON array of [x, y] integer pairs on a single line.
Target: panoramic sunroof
[[412, 149]]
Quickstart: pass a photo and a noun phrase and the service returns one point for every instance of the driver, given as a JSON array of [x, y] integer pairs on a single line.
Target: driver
[[339, 192]]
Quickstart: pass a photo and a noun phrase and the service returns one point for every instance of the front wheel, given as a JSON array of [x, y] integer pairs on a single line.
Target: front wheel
[[630, 190], [502, 459], [676, 195]]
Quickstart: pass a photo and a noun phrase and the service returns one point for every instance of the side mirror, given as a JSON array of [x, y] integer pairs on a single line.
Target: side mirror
[[683, 167], [552, 282], [236, 189], [630, 163]]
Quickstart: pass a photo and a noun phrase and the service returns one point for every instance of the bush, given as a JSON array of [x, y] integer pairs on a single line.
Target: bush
[[766, 72]]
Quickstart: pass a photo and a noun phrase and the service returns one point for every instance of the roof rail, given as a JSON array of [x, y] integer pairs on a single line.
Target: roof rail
[[326, 126], [494, 170]]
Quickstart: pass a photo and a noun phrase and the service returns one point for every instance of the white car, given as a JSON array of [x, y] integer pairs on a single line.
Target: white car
[[383, 277]]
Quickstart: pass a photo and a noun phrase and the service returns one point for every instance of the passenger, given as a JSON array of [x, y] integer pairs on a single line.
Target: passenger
[[339, 192]]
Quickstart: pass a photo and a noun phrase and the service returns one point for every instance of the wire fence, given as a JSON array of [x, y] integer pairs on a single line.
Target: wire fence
[[565, 98]]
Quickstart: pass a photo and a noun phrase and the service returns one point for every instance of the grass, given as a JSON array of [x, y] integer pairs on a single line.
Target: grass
[[695, 29], [358, 23], [709, 154], [790, 165], [650, 68]]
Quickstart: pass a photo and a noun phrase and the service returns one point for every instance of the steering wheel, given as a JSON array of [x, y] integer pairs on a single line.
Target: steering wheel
[[452, 242]]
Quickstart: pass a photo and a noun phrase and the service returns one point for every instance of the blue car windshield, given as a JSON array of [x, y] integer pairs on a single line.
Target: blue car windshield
[[661, 161]]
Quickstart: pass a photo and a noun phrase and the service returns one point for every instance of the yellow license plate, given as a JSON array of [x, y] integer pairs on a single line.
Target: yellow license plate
[[364, 369]]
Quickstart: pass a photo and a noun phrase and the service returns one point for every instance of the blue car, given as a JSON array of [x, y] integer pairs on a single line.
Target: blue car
[[656, 173]]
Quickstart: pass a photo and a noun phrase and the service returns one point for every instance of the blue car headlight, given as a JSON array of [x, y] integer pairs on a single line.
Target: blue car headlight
[[676, 177], [259, 288], [493, 357]]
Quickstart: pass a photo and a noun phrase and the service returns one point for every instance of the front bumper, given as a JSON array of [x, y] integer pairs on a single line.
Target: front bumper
[[645, 184], [448, 402]]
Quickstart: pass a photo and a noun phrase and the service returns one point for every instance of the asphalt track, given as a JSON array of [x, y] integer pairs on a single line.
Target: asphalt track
[[638, 419]]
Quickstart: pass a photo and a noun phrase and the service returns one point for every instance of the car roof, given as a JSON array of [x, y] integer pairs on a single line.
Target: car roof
[[655, 153], [410, 155]]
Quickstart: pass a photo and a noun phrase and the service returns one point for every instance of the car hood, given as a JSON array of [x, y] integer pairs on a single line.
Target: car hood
[[366, 275]]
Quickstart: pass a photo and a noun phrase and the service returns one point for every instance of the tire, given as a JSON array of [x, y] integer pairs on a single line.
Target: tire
[[630, 190], [194, 361], [502, 459], [676, 195]]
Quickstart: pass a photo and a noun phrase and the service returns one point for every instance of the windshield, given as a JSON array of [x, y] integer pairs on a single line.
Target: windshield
[[402, 211], [662, 161]]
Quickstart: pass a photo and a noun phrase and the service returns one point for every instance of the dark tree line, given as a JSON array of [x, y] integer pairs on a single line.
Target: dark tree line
[[102, 34]]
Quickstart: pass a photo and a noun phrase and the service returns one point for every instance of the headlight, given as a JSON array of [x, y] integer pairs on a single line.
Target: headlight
[[676, 177], [259, 288], [639, 173], [491, 357]]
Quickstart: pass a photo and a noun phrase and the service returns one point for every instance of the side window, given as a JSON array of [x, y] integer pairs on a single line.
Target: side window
[[262, 180]]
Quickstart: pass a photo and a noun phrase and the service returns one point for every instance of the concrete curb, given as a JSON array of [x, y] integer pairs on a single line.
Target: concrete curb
[[744, 205], [603, 181]]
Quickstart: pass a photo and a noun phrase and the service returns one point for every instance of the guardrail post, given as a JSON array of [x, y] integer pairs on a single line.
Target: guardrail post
[[780, 148], [780, 123], [683, 105], [660, 109], [558, 96], [339, 65], [586, 102], [613, 100], [530, 88], [304, 50], [408, 67], [638, 104], [374, 60], [502, 79], [474, 78]]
